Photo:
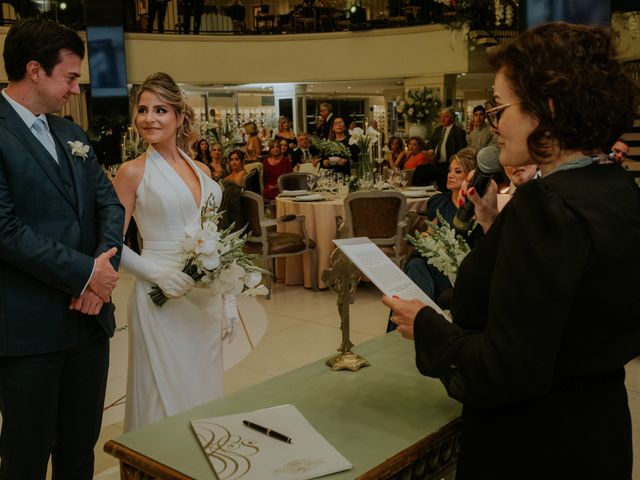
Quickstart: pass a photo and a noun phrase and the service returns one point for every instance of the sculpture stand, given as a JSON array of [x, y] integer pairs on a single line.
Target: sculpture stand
[[343, 277]]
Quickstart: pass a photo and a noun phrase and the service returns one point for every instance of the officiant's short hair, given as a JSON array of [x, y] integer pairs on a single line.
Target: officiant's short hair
[[40, 40]]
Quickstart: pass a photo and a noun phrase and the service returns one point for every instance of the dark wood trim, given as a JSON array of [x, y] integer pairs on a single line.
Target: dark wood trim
[[135, 466], [439, 450]]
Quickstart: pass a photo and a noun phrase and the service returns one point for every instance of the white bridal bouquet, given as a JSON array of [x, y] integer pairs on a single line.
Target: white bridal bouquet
[[441, 246], [214, 259]]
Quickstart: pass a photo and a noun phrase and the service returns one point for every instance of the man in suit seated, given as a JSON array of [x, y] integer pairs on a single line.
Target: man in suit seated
[[305, 153]]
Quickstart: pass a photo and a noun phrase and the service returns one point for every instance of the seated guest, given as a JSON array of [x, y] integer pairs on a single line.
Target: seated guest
[[203, 154], [339, 135], [305, 153], [218, 165], [397, 154], [274, 166], [414, 157], [285, 151], [236, 165], [431, 280], [231, 204]]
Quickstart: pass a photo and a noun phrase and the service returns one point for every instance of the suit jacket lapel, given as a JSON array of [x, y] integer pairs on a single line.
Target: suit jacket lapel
[[10, 120], [62, 136]]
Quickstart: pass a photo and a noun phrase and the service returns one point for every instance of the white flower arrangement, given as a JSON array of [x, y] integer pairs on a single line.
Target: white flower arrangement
[[441, 246], [215, 260], [330, 148], [364, 141], [79, 149], [419, 105]]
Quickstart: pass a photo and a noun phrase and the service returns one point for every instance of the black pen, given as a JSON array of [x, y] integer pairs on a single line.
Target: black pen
[[267, 431]]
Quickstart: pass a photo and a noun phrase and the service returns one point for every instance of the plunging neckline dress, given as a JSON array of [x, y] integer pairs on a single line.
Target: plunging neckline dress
[[175, 351]]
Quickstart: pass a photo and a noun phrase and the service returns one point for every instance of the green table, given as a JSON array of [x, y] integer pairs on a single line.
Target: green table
[[386, 419]]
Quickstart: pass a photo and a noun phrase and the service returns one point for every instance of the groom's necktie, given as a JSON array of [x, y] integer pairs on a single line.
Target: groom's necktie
[[41, 130]]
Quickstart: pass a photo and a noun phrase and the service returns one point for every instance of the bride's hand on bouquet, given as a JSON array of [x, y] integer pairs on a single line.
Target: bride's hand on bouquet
[[174, 283], [486, 207]]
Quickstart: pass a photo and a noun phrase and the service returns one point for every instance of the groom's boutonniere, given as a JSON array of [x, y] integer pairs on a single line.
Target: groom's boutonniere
[[79, 149]]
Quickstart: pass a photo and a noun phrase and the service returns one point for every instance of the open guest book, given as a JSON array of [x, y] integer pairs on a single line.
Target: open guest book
[[379, 268], [236, 451]]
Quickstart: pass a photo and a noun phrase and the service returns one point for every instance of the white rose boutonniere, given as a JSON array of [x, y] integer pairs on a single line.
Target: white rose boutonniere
[[79, 149]]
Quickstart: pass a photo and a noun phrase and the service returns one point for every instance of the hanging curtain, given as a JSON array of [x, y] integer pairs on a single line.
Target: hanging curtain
[[77, 108]]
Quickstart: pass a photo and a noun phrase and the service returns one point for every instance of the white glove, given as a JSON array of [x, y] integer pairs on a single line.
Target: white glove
[[231, 321], [173, 282]]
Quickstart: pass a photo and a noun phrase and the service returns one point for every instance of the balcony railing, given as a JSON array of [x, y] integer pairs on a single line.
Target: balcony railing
[[258, 17]]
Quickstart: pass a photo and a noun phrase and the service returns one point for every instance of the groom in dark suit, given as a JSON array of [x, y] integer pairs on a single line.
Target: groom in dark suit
[[61, 228]]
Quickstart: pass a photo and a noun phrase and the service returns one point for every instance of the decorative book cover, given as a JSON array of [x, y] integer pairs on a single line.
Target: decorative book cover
[[236, 451]]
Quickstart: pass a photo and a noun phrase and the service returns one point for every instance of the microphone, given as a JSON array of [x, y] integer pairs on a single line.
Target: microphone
[[488, 164]]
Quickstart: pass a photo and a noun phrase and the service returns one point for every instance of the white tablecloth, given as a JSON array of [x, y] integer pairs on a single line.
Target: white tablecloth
[[320, 223]]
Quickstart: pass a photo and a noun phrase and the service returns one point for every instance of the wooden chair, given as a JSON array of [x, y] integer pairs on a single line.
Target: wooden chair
[[380, 216], [266, 241], [293, 181]]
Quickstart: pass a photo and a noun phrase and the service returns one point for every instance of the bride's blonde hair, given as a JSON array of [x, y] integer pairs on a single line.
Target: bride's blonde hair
[[164, 87]]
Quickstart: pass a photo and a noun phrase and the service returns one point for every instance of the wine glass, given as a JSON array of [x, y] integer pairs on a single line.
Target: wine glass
[[311, 181], [404, 179]]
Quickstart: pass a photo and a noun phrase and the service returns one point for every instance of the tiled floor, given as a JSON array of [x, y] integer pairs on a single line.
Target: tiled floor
[[303, 326]]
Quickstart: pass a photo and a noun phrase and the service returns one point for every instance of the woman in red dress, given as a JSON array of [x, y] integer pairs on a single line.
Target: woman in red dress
[[274, 166]]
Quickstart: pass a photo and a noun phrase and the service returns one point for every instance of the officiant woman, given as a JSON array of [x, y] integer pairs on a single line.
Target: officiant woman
[[545, 306]]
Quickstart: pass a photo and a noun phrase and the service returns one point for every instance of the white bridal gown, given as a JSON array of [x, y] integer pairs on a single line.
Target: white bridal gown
[[175, 351]]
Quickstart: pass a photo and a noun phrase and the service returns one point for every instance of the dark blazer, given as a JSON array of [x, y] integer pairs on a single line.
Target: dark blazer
[[296, 156], [50, 232], [545, 317], [456, 140], [325, 130]]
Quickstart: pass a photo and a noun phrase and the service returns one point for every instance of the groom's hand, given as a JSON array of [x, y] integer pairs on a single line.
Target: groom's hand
[[89, 303], [104, 277]]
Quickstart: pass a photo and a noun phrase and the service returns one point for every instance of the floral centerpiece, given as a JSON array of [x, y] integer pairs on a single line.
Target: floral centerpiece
[[441, 246], [214, 258], [365, 143], [419, 106], [329, 148]]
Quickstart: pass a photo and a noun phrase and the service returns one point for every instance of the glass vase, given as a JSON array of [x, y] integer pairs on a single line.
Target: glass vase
[[365, 168]]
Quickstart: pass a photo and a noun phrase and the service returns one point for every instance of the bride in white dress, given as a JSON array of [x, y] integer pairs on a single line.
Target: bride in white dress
[[175, 351]]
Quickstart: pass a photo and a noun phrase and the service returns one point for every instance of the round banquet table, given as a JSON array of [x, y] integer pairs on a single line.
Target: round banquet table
[[320, 224]]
